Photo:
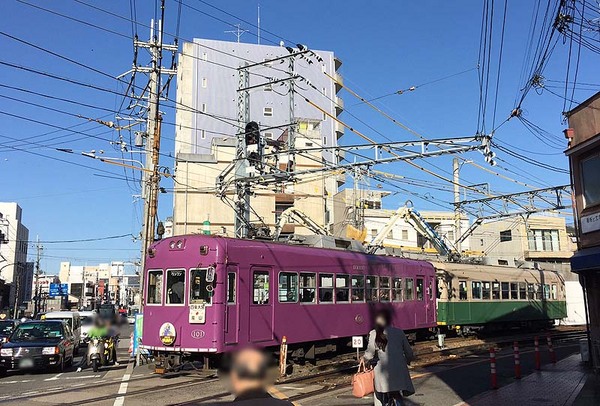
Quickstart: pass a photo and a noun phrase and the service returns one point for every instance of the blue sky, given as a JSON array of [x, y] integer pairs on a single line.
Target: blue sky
[[384, 46]]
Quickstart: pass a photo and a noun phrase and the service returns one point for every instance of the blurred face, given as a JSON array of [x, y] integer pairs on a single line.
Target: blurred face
[[380, 321], [245, 373]]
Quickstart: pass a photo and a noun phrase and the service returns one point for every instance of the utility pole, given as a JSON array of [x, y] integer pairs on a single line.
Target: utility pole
[[153, 93], [38, 258], [457, 219]]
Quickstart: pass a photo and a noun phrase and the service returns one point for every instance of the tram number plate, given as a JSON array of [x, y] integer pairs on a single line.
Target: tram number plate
[[357, 342], [197, 314]]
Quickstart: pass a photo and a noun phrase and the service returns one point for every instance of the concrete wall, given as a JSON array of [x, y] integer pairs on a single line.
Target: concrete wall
[[13, 254]]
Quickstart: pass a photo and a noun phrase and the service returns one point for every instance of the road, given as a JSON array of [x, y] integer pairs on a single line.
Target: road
[[443, 384]]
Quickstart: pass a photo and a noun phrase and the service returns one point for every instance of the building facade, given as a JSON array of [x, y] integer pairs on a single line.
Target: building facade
[[584, 160], [13, 249], [205, 141]]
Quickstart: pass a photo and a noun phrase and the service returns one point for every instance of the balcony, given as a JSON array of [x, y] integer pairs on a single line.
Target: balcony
[[547, 255], [339, 105], [338, 63], [339, 82], [339, 130]]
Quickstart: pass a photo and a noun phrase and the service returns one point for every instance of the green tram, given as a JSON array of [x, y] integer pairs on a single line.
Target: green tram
[[476, 297]]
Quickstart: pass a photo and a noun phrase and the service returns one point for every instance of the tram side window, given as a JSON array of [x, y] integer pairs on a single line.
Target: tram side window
[[175, 286], [200, 290], [530, 291], [397, 289], [371, 289], [409, 289], [495, 290], [342, 288], [476, 290], [505, 291], [546, 292], [420, 289], [522, 291], [358, 288], [384, 288], [462, 290], [325, 287], [538, 291], [260, 284], [155, 282], [554, 292], [231, 287], [514, 291], [288, 287], [308, 287], [485, 290]]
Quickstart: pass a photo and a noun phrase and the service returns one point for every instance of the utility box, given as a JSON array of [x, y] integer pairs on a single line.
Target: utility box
[[584, 350]]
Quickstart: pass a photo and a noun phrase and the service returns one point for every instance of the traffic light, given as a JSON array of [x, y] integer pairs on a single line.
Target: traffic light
[[252, 133]]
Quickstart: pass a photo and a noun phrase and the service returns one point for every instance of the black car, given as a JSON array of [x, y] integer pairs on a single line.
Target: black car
[[6, 329], [36, 345]]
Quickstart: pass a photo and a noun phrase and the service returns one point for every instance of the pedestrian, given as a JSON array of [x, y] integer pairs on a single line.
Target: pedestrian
[[389, 350]]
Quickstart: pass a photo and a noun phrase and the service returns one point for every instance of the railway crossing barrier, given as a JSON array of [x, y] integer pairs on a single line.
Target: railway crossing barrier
[[493, 368], [517, 360], [538, 361], [551, 349], [283, 356]]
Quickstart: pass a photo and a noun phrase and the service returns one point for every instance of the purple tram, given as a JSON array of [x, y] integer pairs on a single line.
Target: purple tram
[[208, 295]]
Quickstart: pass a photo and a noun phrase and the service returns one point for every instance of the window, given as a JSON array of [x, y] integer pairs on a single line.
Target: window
[[204, 56], [342, 288], [476, 290], [503, 262], [514, 291], [530, 291], [325, 287], [175, 286], [384, 289], [505, 235], [202, 134], [203, 107], [505, 291], [371, 289], [538, 291], [462, 290], [522, 291], [397, 289], [154, 292], [420, 289], [390, 235], [554, 292], [590, 181], [204, 82], [546, 292], [496, 290], [450, 236], [374, 232], [268, 135], [200, 290], [268, 111], [409, 289], [485, 292], [543, 240], [231, 287], [358, 288], [308, 285], [404, 235], [288, 287], [260, 284]]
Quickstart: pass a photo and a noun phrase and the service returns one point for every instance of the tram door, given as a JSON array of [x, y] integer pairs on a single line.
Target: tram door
[[430, 297], [422, 300], [261, 305], [232, 327]]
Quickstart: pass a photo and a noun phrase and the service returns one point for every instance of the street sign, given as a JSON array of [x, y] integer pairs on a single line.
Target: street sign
[[58, 289], [357, 342]]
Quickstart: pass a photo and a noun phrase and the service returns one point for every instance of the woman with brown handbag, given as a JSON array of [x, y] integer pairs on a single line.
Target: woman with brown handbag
[[389, 350]]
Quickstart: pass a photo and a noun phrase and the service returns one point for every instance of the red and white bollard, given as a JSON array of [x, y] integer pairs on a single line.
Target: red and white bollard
[[130, 350], [493, 368], [551, 350], [517, 360], [538, 361]]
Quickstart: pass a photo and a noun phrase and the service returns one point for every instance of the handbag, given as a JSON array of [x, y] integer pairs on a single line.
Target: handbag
[[363, 381]]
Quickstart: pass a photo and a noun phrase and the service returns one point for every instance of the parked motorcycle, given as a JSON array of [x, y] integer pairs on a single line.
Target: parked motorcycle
[[101, 352]]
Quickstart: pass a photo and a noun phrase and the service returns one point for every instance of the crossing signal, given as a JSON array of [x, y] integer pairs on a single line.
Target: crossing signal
[[252, 133]]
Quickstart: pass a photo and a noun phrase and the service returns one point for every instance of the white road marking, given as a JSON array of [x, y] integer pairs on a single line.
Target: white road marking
[[120, 401], [83, 377], [54, 378], [29, 393]]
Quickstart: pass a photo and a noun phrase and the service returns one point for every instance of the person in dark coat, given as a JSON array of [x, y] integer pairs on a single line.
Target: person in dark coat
[[389, 350], [248, 380]]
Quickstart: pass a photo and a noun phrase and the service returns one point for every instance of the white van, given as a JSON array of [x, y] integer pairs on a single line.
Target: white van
[[88, 320], [72, 319]]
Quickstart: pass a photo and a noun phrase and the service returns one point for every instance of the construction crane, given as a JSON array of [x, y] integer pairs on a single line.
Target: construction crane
[[293, 214], [414, 218]]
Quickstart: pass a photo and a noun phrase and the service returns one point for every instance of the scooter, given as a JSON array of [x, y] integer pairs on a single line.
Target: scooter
[[101, 352]]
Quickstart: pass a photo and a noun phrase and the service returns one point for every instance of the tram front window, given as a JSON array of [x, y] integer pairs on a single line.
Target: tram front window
[[200, 290], [175, 286]]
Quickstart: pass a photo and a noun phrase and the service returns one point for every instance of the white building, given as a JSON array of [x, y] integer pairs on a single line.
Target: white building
[[13, 249]]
